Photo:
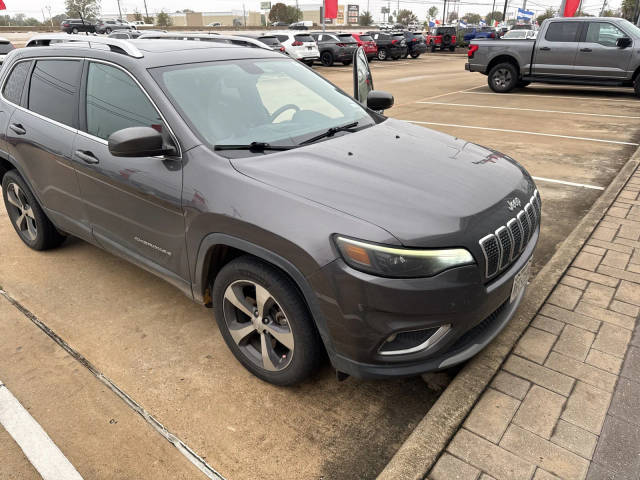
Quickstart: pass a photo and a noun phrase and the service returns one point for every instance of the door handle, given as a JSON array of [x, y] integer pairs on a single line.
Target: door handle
[[86, 157], [546, 49], [586, 50], [17, 128]]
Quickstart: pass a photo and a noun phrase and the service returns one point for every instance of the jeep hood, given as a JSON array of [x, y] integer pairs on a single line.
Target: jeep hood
[[424, 187]]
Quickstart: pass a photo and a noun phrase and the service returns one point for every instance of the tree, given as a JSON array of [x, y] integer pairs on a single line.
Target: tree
[[57, 19], [163, 19], [293, 14], [452, 16], [389, 19], [611, 13], [149, 20], [432, 12], [87, 9], [582, 13], [365, 19], [278, 13], [472, 18], [549, 13], [137, 15], [493, 16], [629, 10], [405, 17]]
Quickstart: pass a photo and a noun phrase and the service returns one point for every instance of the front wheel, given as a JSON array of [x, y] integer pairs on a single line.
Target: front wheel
[[503, 78], [29, 221], [327, 59], [415, 55], [108, 31], [74, 30], [382, 54], [265, 322]]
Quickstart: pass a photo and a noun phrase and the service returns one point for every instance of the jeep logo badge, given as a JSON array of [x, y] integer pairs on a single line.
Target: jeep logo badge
[[513, 204]]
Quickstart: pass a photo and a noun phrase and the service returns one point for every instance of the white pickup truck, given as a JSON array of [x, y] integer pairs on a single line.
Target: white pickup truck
[[587, 51]]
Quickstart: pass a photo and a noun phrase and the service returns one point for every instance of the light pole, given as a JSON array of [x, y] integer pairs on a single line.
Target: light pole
[[119, 11], [146, 12]]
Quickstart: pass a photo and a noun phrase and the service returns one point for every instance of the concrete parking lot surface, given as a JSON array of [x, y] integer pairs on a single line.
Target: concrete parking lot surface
[[167, 354]]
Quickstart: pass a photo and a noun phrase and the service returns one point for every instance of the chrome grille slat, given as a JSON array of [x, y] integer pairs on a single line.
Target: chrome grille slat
[[503, 247]]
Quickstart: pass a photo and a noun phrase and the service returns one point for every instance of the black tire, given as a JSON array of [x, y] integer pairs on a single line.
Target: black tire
[[382, 54], [503, 78], [415, 55], [28, 220], [636, 85], [523, 83], [74, 30], [241, 277], [326, 58], [107, 31]]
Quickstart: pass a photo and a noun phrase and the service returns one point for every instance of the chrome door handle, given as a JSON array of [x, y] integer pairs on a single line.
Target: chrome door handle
[[17, 128], [86, 157], [586, 50], [546, 49]]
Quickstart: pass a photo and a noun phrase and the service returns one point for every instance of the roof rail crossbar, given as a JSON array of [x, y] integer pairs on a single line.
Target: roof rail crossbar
[[115, 44]]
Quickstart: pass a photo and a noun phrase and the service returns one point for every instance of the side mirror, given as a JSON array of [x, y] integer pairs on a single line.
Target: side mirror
[[379, 101], [362, 79], [138, 142], [623, 42]]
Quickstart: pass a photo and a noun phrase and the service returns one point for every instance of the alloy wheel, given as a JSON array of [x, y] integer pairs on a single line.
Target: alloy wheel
[[24, 219], [502, 78], [258, 325]]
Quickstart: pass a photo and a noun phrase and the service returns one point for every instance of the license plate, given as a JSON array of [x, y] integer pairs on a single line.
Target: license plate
[[520, 281], [309, 48]]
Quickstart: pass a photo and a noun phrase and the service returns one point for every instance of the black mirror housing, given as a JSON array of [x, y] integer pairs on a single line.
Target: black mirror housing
[[378, 100], [623, 42], [138, 142]]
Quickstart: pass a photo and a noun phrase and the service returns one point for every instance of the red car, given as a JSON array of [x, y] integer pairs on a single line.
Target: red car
[[442, 38], [366, 42]]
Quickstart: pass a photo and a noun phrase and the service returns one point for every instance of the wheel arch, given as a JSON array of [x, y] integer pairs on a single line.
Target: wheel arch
[[218, 249], [503, 59], [636, 74], [5, 166]]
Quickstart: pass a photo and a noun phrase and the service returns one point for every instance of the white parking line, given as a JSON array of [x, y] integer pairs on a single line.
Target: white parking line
[[552, 96], [43, 454], [523, 132], [530, 110], [564, 182]]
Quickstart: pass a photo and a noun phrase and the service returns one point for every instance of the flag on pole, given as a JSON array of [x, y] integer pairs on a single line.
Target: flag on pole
[[2, 5], [431, 22], [524, 14], [483, 23], [570, 7], [496, 23], [330, 8], [462, 24], [437, 22]]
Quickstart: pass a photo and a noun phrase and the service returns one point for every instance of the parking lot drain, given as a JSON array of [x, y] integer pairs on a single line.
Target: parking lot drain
[[183, 448]]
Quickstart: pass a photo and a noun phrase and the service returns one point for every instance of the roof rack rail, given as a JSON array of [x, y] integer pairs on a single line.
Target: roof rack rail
[[115, 44]]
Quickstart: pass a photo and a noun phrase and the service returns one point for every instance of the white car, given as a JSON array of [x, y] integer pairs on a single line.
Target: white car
[[299, 45], [519, 34], [214, 24], [5, 47]]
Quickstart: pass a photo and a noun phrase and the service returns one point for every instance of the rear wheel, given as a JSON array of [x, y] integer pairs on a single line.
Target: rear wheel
[[503, 78], [382, 54], [74, 30], [327, 59], [415, 55], [29, 221], [108, 31], [265, 322]]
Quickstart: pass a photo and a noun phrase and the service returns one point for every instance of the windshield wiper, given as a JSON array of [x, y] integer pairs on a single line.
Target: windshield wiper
[[331, 132], [255, 147]]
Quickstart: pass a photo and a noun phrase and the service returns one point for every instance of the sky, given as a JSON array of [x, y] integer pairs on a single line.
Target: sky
[[34, 8]]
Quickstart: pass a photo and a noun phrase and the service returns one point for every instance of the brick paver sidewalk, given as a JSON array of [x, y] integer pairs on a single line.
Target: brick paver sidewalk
[[566, 403]]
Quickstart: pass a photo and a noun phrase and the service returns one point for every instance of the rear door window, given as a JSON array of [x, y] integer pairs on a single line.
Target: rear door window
[[14, 85], [115, 101], [563, 32], [53, 89]]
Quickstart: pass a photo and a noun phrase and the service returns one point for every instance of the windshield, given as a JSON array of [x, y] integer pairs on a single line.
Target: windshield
[[304, 38], [631, 28], [347, 38], [269, 40], [516, 34], [5, 47], [366, 38], [276, 101]]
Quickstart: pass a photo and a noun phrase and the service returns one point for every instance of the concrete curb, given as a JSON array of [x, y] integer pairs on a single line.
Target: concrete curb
[[420, 451]]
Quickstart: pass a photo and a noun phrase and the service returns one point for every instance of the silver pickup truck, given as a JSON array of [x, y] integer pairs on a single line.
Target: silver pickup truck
[[587, 51]]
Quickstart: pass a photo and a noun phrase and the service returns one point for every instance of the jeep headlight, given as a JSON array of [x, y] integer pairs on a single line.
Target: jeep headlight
[[397, 262]]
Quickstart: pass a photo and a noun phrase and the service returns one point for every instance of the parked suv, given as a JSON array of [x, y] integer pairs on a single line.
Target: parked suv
[[442, 38], [390, 44], [77, 25], [366, 42], [5, 47], [477, 33], [335, 47], [300, 46], [109, 25], [416, 44], [307, 220]]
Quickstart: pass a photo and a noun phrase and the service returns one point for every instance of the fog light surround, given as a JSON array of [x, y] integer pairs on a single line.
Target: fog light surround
[[413, 341]]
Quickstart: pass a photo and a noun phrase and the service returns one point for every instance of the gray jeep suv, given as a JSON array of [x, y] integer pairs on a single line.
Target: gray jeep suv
[[310, 223]]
